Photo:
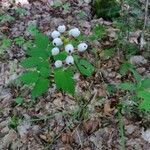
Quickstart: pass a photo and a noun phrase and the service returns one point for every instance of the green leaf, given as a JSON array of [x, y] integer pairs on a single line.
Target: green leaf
[[60, 56], [64, 80], [98, 32], [32, 29], [44, 72], [38, 52], [41, 41], [34, 62], [145, 95], [19, 41], [125, 67], [21, 11], [145, 83], [107, 53], [127, 86], [136, 75], [30, 62], [29, 77], [14, 122], [19, 100], [84, 66], [40, 87]]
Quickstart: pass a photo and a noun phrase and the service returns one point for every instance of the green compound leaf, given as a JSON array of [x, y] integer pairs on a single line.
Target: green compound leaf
[[64, 80], [145, 95], [38, 52], [40, 87], [60, 56], [34, 62], [44, 72], [145, 83], [30, 62], [29, 77], [127, 86], [41, 41], [84, 66]]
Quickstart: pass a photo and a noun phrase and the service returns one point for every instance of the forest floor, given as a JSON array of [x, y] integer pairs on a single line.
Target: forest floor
[[57, 121]]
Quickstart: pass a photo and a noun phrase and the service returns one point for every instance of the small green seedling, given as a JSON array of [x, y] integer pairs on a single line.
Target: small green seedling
[[19, 100], [14, 122], [6, 18], [19, 41], [21, 11], [140, 89], [5, 43]]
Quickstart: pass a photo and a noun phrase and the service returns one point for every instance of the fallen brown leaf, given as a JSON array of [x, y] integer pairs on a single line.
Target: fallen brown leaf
[[91, 126], [107, 108], [46, 137], [67, 138]]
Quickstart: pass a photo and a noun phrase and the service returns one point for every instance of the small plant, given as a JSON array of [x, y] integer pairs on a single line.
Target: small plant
[[56, 60], [19, 100], [98, 32], [5, 43], [6, 18], [19, 40], [106, 9], [140, 90], [21, 11], [14, 122]]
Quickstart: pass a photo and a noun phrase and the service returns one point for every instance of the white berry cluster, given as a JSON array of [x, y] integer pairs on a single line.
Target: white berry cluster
[[59, 40]]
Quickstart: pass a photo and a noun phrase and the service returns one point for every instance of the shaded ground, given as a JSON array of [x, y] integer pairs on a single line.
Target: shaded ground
[[55, 121]]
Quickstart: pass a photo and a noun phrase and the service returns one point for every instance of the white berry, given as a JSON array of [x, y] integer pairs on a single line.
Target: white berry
[[61, 28], [70, 60], [57, 42], [82, 47], [58, 63], [55, 51], [55, 34], [74, 32], [69, 48]]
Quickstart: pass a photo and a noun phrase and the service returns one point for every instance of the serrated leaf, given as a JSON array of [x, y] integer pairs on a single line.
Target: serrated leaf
[[29, 77], [145, 95], [30, 62], [40, 87], [41, 41], [64, 80], [145, 83], [84, 66], [34, 62], [49, 48], [127, 86], [60, 56], [38, 52], [44, 72]]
